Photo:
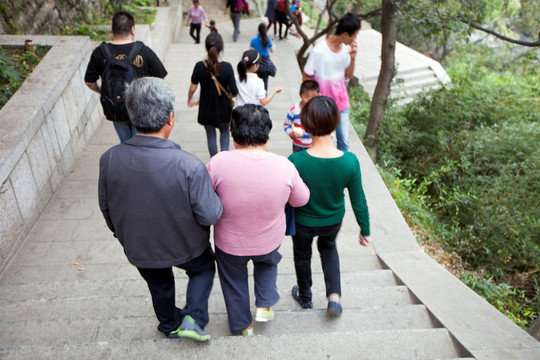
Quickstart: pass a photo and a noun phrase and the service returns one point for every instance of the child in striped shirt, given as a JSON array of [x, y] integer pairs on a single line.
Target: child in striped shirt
[[292, 126]]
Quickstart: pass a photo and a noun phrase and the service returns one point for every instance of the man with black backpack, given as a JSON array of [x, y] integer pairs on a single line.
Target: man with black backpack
[[119, 63]]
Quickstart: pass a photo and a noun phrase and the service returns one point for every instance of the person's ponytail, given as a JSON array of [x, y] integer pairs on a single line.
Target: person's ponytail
[[249, 58], [214, 47], [264, 36]]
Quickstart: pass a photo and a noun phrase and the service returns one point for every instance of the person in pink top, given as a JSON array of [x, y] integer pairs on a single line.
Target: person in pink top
[[196, 14], [329, 63], [254, 185]]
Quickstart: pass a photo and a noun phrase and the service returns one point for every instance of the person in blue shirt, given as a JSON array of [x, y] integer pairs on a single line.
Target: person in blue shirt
[[264, 46]]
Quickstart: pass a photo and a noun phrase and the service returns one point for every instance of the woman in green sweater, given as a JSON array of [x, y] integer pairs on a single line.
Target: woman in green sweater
[[327, 171]]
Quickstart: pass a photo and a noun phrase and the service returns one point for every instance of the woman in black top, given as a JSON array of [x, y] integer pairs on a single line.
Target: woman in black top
[[217, 82]]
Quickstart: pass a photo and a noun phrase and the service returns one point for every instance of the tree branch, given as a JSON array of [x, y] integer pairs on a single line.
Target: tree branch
[[500, 36], [370, 14]]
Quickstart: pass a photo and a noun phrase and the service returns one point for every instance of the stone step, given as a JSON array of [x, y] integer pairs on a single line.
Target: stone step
[[384, 344], [419, 79], [141, 327], [45, 291], [85, 262], [139, 302]]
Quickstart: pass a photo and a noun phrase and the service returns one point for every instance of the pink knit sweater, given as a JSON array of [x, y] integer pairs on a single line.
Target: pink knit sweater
[[253, 189]]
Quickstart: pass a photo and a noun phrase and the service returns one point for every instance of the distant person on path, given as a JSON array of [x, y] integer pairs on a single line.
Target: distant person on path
[[159, 202], [292, 125], [271, 8], [218, 85], [122, 49], [195, 16], [329, 63], [282, 18], [327, 171], [250, 86], [212, 27], [264, 46], [295, 9], [254, 185], [236, 8]]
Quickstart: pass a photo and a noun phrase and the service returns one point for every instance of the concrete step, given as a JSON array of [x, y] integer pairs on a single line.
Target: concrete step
[[384, 344], [58, 290], [139, 303], [422, 78], [85, 262], [141, 327]]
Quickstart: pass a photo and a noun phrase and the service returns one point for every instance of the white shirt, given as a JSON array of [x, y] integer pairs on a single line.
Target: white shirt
[[250, 91]]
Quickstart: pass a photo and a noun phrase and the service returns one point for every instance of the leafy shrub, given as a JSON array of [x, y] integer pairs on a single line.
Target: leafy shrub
[[468, 155], [15, 65], [507, 299], [87, 30], [473, 147]]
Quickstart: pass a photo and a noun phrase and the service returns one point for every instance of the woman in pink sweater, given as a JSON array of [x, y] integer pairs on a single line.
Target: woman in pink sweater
[[254, 185]]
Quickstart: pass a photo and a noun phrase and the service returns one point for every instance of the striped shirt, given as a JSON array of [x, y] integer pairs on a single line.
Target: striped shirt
[[293, 120]]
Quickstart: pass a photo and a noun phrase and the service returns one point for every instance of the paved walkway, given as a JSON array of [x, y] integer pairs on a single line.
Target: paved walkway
[[70, 292]]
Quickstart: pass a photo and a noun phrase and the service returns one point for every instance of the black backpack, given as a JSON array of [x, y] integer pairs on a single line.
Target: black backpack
[[116, 75]]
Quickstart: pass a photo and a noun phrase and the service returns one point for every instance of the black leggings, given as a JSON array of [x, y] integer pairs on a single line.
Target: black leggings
[[195, 32]]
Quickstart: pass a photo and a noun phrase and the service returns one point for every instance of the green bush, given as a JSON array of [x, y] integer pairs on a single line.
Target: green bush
[[15, 65], [468, 157], [87, 30], [507, 299], [473, 147]]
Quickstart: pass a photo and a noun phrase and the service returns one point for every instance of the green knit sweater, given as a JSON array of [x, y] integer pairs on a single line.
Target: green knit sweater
[[326, 179]]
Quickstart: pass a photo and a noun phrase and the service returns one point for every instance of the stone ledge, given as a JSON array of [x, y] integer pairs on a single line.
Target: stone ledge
[[24, 114], [47, 123]]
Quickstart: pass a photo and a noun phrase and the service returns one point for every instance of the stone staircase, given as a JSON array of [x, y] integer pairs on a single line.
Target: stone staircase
[[407, 83], [109, 315], [416, 72], [69, 292]]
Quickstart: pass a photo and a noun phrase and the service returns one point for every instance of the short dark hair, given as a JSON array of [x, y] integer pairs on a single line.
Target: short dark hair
[[250, 125], [122, 22], [348, 23], [320, 116], [309, 85]]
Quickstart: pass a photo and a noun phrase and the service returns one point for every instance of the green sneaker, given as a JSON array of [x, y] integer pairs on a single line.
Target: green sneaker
[[191, 330], [247, 332], [264, 315]]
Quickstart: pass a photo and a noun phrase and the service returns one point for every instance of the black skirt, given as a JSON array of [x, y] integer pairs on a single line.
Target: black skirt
[[266, 67]]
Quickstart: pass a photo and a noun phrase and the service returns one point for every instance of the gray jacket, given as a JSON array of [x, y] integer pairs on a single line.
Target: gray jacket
[[158, 200]]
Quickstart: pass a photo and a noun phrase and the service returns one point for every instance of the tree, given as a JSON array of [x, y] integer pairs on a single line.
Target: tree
[[434, 18], [388, 61]]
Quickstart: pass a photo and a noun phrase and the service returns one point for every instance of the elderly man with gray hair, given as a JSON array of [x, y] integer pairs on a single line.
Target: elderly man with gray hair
[[159, 202]]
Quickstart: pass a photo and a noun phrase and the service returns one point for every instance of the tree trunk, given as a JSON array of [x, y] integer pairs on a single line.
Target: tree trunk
[[382, 90]]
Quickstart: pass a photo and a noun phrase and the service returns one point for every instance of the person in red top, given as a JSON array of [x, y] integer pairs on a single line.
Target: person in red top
[[282, 18]]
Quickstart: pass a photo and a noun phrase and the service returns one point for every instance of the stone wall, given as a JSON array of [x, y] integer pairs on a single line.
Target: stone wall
[[43, 16], [43, 128], [49, 120]]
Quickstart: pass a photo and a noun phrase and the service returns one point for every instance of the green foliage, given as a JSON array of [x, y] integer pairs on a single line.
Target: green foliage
[[144, 2], [15, 66], [527, 23], [507, 299], [141, 15], [463, 163], [473, 147], [87, 30], [360, 112]]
